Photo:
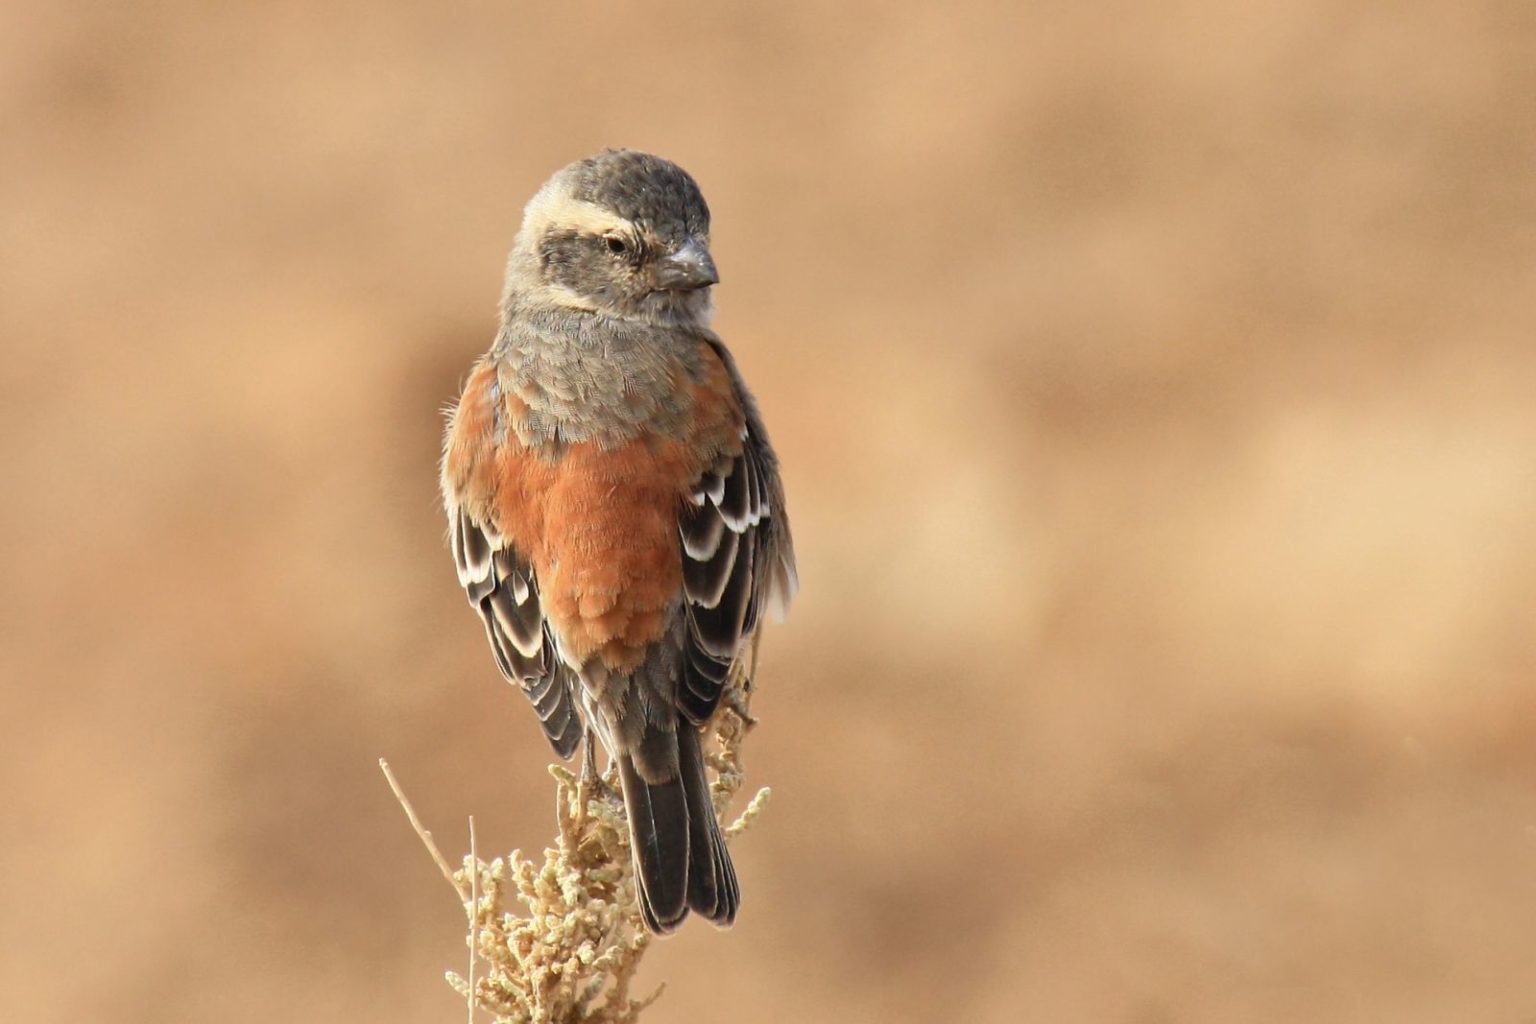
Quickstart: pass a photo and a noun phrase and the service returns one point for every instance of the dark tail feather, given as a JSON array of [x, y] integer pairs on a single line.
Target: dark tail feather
[[712, 889], [658, 838], [679, 853]]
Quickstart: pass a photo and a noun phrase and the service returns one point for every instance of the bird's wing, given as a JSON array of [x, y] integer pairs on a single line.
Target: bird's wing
[[738, 560], [498, 578], [501, 585]]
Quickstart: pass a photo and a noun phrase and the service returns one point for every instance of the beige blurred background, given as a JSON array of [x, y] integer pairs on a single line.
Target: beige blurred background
[[1156, 390]]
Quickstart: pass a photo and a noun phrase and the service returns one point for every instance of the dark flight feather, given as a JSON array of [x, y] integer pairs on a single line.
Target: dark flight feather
[[501, 587]]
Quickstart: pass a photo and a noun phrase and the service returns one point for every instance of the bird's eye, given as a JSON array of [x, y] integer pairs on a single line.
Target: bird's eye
[[616, 245]]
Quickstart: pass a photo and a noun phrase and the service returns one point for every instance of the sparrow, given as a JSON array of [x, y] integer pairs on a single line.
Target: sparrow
[[614, 506]]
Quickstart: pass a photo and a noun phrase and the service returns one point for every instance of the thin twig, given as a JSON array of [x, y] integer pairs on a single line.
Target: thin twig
[[422, 833], [757, 643], [474, 914]]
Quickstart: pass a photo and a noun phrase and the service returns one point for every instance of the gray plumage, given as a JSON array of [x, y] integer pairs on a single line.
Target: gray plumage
[[603, 384]]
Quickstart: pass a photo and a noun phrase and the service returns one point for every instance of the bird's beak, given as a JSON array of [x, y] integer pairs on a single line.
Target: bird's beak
[[688, 268]]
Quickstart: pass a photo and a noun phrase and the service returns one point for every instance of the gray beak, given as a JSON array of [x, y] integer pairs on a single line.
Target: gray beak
[[688, 268]]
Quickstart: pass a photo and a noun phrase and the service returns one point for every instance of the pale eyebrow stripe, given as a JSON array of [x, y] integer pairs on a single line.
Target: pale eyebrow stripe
[[564, 212]]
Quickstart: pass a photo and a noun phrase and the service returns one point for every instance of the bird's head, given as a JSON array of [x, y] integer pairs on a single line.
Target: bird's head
[[623, 234]]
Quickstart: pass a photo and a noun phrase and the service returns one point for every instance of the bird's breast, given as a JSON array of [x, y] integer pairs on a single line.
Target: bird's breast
[[590, 476]]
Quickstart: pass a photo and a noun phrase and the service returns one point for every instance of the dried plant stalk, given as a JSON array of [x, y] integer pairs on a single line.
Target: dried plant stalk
[[569, 953]]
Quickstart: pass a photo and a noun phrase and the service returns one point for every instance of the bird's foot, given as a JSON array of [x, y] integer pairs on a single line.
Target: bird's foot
[[737, 700], [591, 784]]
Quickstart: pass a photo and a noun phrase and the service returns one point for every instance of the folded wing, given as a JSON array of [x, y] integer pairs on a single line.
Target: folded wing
[[735, 563], [500, 584]]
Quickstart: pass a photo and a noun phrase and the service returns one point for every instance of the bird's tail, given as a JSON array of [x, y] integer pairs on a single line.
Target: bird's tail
[[681, 863]]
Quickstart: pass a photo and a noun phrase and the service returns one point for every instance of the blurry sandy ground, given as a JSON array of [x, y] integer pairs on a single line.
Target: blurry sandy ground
[[1157, 397]]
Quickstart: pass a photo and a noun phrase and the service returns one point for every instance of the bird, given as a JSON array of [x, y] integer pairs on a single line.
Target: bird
[[615, 509]]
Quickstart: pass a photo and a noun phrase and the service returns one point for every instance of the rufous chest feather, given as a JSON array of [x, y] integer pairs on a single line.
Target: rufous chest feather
[[592, 498]]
